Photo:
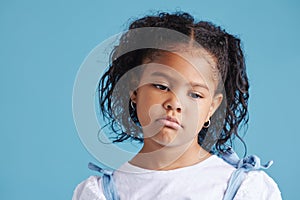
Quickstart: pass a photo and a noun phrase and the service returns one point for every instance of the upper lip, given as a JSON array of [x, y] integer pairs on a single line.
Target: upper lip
[[172, 119]]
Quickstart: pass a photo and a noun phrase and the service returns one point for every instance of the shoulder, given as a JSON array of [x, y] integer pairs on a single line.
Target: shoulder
[[258, 185], [89, 189], [220, 168]]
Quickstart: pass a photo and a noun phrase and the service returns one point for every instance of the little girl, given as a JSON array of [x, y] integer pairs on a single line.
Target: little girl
[[180, 87]]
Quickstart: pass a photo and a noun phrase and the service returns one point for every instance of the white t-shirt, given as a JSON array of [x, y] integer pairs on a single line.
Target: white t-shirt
[[205, 180]]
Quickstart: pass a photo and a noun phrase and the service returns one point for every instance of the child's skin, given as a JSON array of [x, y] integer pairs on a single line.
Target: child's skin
[[175, 97], [164, 83]]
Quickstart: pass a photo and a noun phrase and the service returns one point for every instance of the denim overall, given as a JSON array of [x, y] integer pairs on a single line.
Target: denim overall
[[249, 163]]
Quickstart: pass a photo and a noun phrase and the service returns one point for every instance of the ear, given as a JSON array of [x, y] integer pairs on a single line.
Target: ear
[[133, 95], [216, 102], [133, 89]]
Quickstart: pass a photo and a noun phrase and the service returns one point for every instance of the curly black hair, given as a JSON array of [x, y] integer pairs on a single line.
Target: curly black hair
[[224, 47]]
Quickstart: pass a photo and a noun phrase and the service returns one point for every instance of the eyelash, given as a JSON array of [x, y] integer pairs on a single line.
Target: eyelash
[[161, 87], [166, 88], [198, 96]]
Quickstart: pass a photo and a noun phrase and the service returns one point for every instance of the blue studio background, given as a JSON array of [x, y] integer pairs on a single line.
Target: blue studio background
[[43, 43]]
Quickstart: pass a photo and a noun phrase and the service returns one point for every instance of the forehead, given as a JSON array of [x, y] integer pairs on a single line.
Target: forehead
[[189, 66]]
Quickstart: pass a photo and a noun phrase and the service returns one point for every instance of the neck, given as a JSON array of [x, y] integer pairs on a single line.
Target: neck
[[158, 157]]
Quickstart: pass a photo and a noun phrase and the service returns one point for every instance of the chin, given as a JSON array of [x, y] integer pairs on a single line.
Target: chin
[[164, 140], [167, 139]]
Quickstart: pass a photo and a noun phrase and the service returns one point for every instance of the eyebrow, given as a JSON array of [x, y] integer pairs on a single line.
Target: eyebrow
[[193, 84], [161, 74]]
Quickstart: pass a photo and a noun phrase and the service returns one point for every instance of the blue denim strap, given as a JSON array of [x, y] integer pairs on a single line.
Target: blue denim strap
[[243, 166], [108, 185]]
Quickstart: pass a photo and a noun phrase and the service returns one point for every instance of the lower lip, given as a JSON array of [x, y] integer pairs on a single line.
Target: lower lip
[[169, 124]]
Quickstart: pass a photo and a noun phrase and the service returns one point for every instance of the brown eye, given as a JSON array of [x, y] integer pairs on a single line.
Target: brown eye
[[161, 87]]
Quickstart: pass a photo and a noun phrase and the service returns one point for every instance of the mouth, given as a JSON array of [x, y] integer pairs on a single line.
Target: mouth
[[170, 122]]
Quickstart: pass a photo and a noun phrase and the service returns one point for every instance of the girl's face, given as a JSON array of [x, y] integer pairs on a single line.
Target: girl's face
[[175, 97]]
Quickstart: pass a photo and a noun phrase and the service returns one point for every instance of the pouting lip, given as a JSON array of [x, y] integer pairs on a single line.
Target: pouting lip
[[169, 118]]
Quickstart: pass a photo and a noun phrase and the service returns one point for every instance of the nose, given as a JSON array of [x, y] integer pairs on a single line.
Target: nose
[[173, 103]]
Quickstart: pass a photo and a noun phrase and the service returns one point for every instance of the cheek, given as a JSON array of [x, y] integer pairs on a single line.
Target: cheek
[[147, 109], [197, 116], [142, 113]]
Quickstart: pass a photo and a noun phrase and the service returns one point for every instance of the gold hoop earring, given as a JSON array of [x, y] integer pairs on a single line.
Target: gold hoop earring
[[206, 124], [132, 105]]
